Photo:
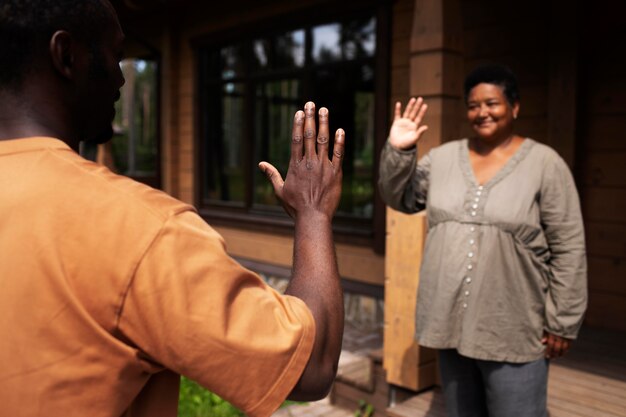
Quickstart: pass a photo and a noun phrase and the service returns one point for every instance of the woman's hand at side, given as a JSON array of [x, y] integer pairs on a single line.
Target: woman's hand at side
[[407, 126], [556, 346]]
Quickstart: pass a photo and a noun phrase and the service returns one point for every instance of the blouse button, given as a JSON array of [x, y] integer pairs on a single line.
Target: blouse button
[[470, 267], [472, 241], [473, 213], [464, 305], [474, 206], [470, 255], [480, 187], [479, 192], [472, 228], [468, 280], [477, 199], [466, 293]]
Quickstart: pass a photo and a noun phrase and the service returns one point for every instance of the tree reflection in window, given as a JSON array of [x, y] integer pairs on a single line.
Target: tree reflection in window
[[135, 143]]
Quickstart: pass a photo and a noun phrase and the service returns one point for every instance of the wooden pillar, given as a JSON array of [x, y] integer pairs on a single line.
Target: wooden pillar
[[436, 74]]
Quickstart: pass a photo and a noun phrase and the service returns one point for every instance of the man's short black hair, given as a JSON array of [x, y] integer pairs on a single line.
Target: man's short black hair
[[26, 27], [496, 74]]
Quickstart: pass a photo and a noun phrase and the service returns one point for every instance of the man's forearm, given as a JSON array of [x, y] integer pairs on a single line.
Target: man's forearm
[[316, 281]]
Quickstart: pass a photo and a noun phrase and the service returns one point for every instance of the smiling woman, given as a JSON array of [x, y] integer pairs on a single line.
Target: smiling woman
[[503, 279]]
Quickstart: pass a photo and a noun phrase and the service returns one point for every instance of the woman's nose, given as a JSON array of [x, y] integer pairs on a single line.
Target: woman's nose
[[483, 110]]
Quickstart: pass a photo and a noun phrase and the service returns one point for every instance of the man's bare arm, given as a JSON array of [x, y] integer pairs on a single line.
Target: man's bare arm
[[310, 194]]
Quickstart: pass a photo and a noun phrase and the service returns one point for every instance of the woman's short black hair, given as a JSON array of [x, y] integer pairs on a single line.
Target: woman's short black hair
[[493, 74], [26, 27]]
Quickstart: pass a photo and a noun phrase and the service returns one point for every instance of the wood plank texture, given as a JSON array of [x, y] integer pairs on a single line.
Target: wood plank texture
[[407, 364]]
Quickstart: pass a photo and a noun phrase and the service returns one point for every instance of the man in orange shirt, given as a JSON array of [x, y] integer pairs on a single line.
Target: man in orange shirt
[[109, 290]]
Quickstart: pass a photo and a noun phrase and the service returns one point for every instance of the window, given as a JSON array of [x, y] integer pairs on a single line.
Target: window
[[134, 148], [250, 89]]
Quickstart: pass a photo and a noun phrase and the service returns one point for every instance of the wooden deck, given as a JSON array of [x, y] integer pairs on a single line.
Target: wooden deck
[[589, 382]]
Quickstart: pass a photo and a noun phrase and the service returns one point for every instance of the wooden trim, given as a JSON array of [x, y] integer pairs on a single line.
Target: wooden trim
[[348, 285]]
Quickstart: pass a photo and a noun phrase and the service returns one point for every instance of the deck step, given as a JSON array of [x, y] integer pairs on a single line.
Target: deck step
[[425, 404]]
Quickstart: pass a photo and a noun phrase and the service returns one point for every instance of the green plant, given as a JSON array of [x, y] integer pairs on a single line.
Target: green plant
[[365, 409], [195, 401]]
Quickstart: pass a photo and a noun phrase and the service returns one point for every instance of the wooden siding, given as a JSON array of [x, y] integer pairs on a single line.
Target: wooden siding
[[602, 158]]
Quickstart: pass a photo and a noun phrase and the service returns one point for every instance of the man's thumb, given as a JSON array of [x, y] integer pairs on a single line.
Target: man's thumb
[[273, 175]]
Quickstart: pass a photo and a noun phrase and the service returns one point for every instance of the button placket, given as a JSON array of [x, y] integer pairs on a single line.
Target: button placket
[[473, 207]]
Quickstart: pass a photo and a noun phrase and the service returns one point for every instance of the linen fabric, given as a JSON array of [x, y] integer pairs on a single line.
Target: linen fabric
[[109, 290], [503, 261]]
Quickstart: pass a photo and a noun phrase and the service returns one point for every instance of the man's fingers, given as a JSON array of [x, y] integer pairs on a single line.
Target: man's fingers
[[309, 130], [297, 136], [323, 134], [338, 149], [274, 176]]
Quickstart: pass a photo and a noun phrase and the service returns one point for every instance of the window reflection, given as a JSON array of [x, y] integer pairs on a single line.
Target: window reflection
[[225, 171], [252, 89], [327, 43], [276, 103], [351, 40], [290, 49], [134, 146], [232, 61]]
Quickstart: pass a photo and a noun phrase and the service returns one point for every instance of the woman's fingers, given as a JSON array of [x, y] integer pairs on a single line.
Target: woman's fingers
[[417, 107], [409, 108], [397, 111], [297, 137], [323, 134], [338, 149]]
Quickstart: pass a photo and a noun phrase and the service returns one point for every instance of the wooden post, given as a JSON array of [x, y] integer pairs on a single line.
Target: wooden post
[[436, 73]]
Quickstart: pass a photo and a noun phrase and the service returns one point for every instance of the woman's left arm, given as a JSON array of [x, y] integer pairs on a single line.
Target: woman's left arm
[[562, 222]]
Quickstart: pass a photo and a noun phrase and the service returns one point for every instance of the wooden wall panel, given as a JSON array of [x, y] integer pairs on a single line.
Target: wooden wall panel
[[609, 275], [606, 239], [355, 263], [606, 310], [605, 169], [604, 204], [403, 357], [602, 160]]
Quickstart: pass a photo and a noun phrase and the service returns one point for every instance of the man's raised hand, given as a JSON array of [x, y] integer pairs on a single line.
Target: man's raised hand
[[313, 181]]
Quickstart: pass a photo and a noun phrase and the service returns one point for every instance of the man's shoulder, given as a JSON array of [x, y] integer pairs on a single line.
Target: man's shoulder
[[92, 182]]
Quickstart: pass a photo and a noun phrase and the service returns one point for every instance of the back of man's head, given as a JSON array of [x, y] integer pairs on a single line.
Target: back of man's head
[[26, 27]]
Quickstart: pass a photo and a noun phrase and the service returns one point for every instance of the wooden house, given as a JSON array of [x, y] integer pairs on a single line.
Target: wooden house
[[229, 76]]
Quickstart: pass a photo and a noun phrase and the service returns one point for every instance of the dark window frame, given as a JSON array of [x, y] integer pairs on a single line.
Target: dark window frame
[[368, 232]]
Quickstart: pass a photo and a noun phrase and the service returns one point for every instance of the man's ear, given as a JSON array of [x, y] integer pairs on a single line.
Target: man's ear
[[63, 51]]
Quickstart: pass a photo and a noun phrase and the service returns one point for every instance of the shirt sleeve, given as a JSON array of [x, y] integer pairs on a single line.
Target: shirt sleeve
[[563, 227], [403, 185], [194, 310]]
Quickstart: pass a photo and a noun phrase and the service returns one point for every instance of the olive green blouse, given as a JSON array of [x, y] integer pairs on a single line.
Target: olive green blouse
[[504, 260]]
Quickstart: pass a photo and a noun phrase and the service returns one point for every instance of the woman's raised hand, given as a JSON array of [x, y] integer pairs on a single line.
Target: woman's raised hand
[[407, 128]]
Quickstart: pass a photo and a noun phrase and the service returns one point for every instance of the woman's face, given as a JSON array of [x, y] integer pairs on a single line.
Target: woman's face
[[489, 113]]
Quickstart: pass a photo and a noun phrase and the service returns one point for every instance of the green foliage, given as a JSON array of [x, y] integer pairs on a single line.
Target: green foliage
[[195, 401], [365, 409]]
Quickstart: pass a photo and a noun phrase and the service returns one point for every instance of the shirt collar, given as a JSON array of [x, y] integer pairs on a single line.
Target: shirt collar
[[30, 144]]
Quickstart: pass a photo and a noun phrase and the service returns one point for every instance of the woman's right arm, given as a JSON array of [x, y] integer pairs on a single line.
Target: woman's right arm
[[402, 185]]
